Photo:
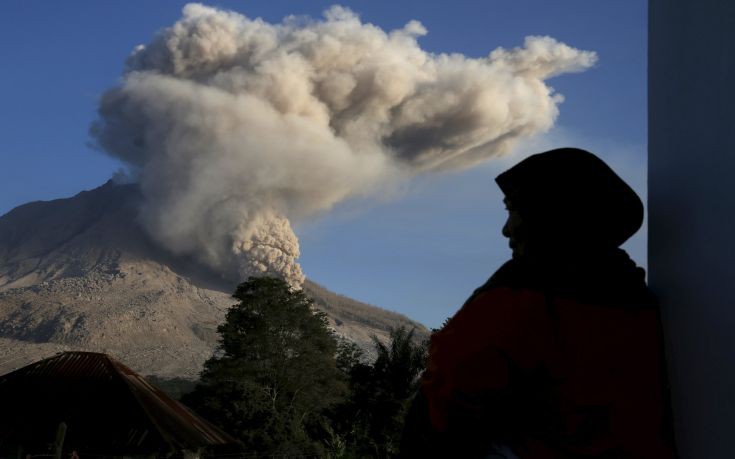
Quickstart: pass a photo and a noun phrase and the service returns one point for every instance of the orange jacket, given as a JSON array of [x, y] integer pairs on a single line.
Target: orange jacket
[[551, 376]]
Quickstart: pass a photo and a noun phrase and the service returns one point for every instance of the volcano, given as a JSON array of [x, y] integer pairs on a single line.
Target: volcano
[[81, 274]]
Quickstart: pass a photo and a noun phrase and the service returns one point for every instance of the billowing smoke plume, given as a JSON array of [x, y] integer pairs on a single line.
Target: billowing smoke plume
[[235, 126]]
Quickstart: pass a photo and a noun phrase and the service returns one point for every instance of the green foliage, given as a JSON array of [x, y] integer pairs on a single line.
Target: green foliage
[[371, 419], [285, 386], [444, 324], [275, 374]]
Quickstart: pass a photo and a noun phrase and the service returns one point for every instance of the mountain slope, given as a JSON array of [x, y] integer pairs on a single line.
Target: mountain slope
[[79, 273]]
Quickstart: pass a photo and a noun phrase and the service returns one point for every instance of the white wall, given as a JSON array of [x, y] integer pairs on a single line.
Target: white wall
[[692, 213]]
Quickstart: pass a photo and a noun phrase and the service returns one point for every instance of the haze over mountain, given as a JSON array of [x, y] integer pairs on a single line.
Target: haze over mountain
[[80, 273]]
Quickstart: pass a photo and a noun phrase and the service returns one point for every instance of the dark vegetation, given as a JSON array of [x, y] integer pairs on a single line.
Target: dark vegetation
[[284, 385]]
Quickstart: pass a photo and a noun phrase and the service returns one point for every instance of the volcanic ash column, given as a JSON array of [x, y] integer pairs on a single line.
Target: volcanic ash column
[[234, 126]]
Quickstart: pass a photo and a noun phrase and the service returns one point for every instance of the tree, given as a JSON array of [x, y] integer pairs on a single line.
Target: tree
[[371, 420], [274, 374]]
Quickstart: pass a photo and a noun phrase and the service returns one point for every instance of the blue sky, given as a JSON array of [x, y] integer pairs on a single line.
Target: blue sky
[[420, 250]]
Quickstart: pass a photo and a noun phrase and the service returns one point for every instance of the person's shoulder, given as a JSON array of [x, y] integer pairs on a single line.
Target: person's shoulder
[[511, 275], [499, 305], [510, 299]]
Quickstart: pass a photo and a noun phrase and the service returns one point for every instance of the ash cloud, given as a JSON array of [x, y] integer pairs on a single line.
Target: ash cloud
[[234, 127]]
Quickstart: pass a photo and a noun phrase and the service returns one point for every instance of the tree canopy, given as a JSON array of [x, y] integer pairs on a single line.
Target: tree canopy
[[283, 384], [371, 418], [274, 373]]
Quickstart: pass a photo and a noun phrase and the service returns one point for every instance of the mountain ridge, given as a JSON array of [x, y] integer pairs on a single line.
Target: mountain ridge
[[80, 273]]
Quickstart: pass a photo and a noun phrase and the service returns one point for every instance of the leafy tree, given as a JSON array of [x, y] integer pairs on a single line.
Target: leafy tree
[[371, 420], [275, 373]]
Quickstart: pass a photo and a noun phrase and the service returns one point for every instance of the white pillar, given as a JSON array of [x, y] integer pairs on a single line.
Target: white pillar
[[691, 83]]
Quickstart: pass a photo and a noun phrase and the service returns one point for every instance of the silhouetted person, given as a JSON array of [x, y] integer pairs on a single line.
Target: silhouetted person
[[559, 354]]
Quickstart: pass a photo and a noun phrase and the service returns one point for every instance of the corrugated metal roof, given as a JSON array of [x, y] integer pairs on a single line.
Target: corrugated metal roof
[[70, 366], [94, 393]]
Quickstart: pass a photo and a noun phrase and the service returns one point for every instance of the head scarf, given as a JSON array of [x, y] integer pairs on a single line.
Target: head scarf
[[569, 198]]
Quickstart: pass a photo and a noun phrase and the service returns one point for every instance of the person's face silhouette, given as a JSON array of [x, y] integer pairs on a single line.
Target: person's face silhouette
[[513, 230]]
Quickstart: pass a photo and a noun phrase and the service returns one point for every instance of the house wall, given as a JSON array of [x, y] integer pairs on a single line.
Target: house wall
[[691, 84]]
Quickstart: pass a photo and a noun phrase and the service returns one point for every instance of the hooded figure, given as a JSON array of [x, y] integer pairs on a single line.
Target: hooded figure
[[559, 354]]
